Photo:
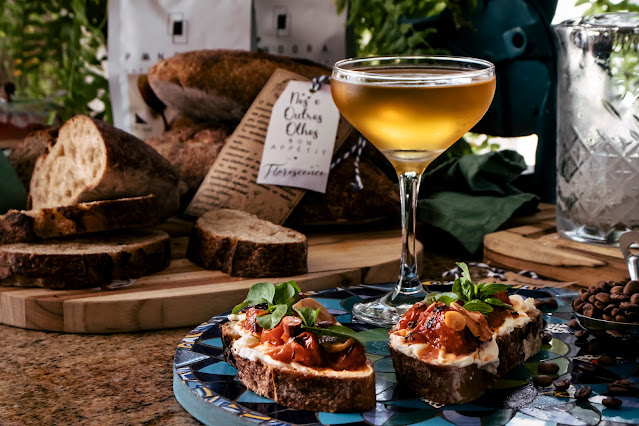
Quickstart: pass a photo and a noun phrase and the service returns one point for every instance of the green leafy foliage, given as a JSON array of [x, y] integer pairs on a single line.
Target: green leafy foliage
[[475, 297], [56, 50], [386, 26]]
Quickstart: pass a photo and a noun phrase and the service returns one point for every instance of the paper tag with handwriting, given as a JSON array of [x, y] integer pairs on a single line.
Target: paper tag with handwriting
[[300, 138]]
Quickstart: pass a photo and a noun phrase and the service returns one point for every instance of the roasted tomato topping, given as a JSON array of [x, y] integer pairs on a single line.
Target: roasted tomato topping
[[287, 328], [429, 325], [250, 323], [349, 359], [497, 317], [303, 349]]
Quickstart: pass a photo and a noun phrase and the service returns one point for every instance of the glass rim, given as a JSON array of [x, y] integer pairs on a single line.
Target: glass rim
[[489, 69]]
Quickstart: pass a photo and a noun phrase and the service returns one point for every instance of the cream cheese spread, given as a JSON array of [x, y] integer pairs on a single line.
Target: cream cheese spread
[[248, 346], [487, 355]]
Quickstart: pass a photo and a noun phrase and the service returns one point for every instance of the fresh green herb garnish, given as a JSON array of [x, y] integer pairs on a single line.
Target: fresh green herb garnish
[[279, 300], [475, 297]]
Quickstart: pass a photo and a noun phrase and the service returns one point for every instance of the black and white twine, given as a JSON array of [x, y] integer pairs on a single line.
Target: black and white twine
[[491, 272], [356, 150]]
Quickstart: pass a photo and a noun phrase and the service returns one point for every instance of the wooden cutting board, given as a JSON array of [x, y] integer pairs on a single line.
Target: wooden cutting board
[[185, 295], [534, 244]]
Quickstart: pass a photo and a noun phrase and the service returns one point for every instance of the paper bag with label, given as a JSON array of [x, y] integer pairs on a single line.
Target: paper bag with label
[[232, 180]]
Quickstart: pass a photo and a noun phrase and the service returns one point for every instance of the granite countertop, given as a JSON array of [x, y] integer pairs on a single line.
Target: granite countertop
[[57, 378]]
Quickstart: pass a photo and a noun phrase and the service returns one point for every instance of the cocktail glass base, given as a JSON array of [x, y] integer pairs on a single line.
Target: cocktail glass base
[[387, 310]]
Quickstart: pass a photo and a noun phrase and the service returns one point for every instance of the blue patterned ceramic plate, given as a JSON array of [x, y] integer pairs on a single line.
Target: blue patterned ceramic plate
[[205, 385]]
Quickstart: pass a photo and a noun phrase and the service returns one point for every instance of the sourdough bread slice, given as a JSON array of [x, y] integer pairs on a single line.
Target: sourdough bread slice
[[93, 161], [302, 390], [451, 384], [32, 225], [85, 262], [242, 245]]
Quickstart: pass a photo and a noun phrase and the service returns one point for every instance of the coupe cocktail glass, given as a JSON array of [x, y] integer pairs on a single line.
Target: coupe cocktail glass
[[412, 108]]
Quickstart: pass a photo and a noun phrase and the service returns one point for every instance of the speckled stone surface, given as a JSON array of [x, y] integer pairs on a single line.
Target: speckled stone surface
[[55, 378]]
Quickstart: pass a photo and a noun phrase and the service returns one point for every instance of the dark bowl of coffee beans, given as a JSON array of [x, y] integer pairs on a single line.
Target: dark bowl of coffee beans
[[611, 307]]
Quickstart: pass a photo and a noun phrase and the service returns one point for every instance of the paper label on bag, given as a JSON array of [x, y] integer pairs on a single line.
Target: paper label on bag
[[300, 138], [232, 180]]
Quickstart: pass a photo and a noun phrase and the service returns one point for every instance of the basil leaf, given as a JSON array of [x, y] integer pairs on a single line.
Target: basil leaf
[[260, 293], [468, 290], [490, 289], [479, 306], [457, 289], [338, 331], [296, 287], [239, 307], [284, 292], [497, 302], [448, 298], [308, 315], [270, 321], [431, 298], [465, 271]]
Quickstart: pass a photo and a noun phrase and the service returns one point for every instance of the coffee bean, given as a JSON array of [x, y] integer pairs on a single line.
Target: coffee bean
[[562, 385], [610, 402], [635, 299], [548, 367], [542, 380], [603, 298], [607, 317], [600, 305], [587, 367], [631, 287], [619, 389], [621, 318], [584, 297], [582, 334], [574, 324], [629, 307], [619, 297], [608, 309], [592, 299], [616, 289], [615, 312], [546, 303], [546, 337], [607, 360], [604, 285], [583, 393]]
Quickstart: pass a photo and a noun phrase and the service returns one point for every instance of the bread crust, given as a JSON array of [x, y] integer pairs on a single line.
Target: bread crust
[[23, 157], [85, 262], [298, 390], [132, 169], [220, 84], [33, 225], [456, 385], [244, 258]]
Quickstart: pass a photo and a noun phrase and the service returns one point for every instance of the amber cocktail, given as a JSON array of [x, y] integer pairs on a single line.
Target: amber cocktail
[[412, 108]]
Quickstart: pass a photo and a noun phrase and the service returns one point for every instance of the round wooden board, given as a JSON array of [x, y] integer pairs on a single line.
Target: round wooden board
[[185, 294]]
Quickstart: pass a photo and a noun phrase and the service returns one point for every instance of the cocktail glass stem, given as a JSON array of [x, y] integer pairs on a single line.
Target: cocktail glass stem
[[388, 309], [408, 286]]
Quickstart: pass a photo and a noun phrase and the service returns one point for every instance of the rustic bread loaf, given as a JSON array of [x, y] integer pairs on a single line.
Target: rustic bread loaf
[[450, 384], [191, 150], [93, 161], [83, 218], [242, 245], [23, 157], [220, 84], [303, 391], [85, 262]]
